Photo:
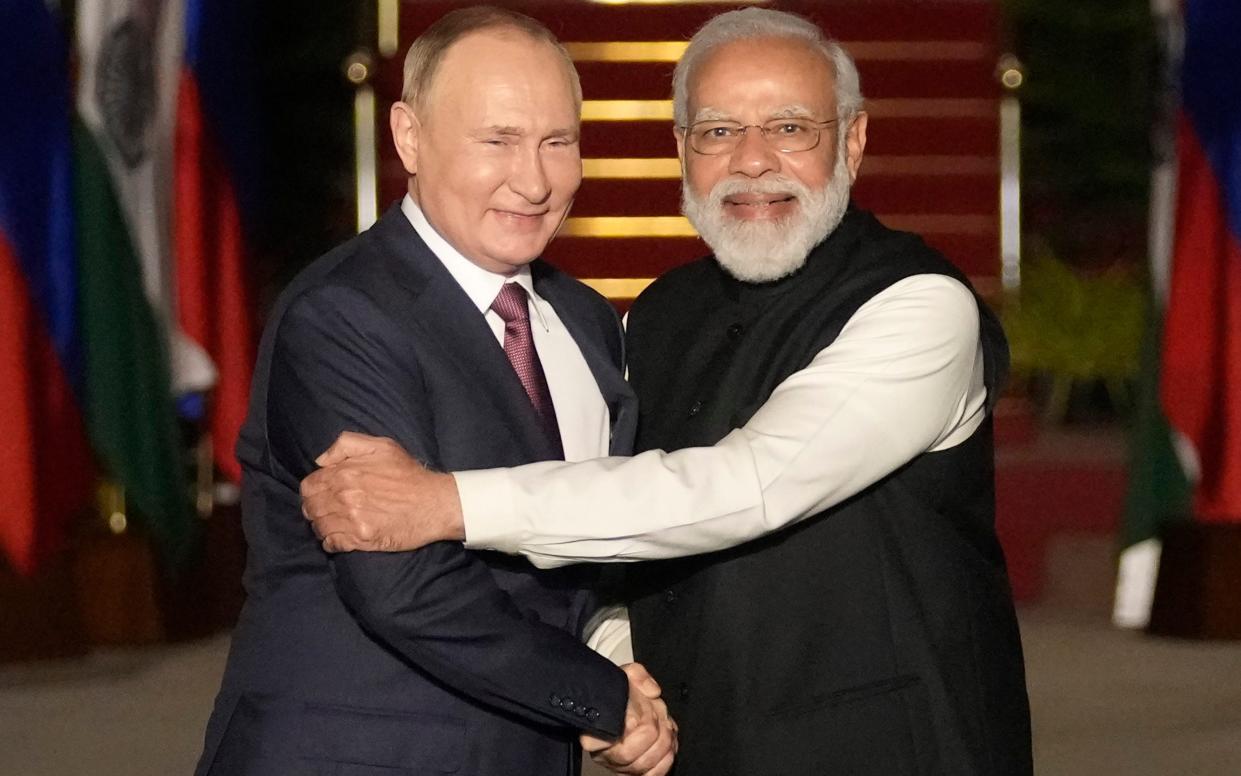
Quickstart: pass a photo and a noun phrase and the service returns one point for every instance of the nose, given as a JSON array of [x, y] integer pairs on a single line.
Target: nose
[[753, 156], [529, 178]]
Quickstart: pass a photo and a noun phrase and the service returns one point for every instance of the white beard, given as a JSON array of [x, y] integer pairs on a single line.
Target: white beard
[[759, 251]]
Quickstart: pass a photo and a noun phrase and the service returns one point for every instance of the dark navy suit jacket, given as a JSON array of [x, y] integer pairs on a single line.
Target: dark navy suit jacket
[[440, 660]]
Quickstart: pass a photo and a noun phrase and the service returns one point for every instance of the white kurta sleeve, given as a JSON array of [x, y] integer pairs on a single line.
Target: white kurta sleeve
[[903, 377]]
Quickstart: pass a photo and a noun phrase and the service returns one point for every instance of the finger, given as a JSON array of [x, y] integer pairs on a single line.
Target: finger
[[642, 679], [334, 454], [322, 506], [635, 743], [653, 754], [663, 766], [315, 482], [591, 744], [335, 524], [334, 543], [348, 445]]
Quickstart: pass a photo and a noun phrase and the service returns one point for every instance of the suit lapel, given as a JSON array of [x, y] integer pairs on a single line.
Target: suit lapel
[[451, 323], [619, 397]]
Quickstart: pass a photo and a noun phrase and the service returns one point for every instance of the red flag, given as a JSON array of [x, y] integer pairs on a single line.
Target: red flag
[[46, 463], [1201, 387], [212, 299], [213, 304]]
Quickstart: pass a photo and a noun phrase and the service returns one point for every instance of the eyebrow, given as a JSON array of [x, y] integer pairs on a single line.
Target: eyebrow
[[499, 129], [793, 112], [709, 114], [787, 112]]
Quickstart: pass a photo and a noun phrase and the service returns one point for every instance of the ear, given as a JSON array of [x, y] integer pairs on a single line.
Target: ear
[[855, 144], [405, 129]]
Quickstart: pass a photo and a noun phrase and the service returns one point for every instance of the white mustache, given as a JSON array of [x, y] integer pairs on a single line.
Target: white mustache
[[767, 185]]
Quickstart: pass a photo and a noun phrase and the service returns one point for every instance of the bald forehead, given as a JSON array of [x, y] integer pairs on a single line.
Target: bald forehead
[[793, 56], [792, 75], [486, 51]]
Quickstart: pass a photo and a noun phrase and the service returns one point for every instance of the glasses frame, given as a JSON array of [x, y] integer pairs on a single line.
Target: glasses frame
[[762, 128]]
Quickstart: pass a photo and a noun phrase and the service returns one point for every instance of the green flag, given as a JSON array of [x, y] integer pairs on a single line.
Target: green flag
[[1158, 488], [130, 415]]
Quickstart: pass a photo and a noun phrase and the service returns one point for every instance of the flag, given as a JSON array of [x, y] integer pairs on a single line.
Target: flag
[[213, 171], [166, 312], [128, 57], [1187, 432], [1201, 384], [44, 457]]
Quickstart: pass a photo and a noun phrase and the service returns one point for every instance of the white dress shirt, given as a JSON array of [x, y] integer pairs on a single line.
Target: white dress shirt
[[581, 412], [904, 377]]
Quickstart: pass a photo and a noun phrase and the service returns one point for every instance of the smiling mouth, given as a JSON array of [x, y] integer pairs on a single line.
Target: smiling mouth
[[515, 214], [758, 200]]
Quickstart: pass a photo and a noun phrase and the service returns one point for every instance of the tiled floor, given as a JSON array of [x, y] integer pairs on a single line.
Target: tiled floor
[[1105, 702]]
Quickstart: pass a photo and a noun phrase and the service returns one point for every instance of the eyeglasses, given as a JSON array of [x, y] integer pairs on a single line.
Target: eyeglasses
[[787, 136]]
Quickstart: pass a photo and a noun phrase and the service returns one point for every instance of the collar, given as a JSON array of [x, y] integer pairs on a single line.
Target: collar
[[480, 285]]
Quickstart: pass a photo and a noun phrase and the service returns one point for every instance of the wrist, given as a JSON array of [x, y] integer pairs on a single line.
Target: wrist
[[486, 500], [452, 522]]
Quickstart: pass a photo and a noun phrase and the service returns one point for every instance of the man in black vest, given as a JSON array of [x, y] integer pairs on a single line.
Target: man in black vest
[[828, 594]]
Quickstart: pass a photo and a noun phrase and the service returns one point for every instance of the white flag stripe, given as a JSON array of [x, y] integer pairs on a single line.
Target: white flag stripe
[[1139, 563], [1135, 584], [129, 54]]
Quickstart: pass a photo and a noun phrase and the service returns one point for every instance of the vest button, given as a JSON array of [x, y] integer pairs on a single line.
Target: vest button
[[683, 691], [695, 408], [670, 596], [735, 331]]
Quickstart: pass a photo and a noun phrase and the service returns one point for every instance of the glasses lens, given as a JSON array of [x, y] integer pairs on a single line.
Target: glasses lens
[[791, 135], [714, 137], [787, 135]]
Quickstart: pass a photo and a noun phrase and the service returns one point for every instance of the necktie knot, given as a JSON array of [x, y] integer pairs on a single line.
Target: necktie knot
[[510, 303]]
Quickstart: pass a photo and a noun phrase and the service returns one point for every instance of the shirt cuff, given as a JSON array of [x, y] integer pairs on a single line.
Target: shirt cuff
[[487, 514], [608, 634]]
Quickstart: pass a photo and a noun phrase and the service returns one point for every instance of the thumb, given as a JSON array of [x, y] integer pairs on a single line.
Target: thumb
[[591, 744], [347, 445], [641, 678]]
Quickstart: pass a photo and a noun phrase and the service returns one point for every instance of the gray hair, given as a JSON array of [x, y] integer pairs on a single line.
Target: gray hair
[[428, 50], [765, 23]]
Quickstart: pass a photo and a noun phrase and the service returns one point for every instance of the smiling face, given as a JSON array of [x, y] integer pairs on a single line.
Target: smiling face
[[759, 209], [493, 153]]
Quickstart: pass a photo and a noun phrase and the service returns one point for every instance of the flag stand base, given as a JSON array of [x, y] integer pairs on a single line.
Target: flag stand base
[[116, 589], [1196, 593], [38, 615]]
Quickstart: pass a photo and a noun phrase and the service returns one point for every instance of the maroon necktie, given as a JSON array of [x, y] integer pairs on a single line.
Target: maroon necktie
[[510, 305]]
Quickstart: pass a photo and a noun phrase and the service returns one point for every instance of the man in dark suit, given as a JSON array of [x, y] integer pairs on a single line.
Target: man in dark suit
[[817, 484], [438, 328]]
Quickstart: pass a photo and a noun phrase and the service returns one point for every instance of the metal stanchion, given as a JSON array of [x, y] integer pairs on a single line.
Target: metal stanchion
[[1011, 74]]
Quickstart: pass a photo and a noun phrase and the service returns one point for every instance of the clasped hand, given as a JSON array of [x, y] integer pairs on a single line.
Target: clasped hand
[[369, 494], [649, 742]]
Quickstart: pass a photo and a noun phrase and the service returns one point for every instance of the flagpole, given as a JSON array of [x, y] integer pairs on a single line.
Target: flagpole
[[1138, 563], [1011, 75], [358, 69]]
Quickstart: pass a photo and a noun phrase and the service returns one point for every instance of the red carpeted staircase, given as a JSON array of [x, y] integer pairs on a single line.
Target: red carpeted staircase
[[931, 166]]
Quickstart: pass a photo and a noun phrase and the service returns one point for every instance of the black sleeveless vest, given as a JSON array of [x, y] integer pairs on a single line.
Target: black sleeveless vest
[[877, 637]]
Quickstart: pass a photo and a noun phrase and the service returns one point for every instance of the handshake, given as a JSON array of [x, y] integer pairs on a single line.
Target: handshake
[[649, 741], [371, 495]]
